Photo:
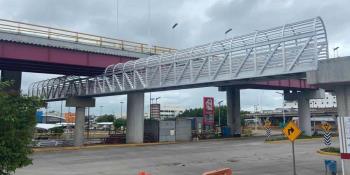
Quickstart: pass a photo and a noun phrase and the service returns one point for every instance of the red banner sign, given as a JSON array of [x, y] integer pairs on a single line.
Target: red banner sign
[[208, 111]]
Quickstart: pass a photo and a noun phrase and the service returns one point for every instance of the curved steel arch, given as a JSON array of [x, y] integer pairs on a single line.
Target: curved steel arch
[[288, 49]]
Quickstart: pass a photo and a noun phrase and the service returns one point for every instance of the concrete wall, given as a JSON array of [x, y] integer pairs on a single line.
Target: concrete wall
[[183, 129], [167, 131]]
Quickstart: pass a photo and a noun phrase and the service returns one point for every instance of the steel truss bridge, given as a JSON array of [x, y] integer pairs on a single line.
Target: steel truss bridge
[[285, 50]]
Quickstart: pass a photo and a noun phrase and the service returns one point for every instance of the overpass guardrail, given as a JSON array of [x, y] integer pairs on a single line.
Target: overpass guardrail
[[21, 28]]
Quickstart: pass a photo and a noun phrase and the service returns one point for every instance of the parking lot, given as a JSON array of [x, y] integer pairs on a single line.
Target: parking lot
[[246, 156]]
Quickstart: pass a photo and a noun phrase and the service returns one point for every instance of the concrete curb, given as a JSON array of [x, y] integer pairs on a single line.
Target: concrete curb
[[88, 147], [71, 148], [327, 153], [297, 140]]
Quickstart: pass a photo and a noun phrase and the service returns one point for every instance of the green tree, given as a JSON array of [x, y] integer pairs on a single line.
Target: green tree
[[17, 123], [105, 118], [59, 130], [118, 123]]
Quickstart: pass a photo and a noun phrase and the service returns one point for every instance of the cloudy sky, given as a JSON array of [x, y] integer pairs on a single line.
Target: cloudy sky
[[200, 21]]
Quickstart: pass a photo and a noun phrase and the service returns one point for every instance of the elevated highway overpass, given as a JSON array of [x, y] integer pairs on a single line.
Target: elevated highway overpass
[[34, 48], [275, 58], [295, 51]]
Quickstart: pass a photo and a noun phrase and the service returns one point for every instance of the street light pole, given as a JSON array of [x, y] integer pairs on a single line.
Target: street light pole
[[173, 32], [61, 111], [335, 50], [101, 108], [227, 31], [149, 26], [283, 104], [157, 100], [121, 109], [220, 112]]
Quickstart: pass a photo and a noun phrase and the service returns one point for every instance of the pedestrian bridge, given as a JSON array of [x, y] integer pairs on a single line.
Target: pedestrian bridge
[[287, 50]]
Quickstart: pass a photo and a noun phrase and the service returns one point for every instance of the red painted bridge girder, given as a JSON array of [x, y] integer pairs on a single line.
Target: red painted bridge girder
[[41, 59]]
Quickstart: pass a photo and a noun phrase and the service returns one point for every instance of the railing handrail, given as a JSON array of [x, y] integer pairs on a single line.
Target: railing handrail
[[83, 38]]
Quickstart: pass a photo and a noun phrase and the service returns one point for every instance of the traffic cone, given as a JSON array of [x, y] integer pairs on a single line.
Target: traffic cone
[[143, 173]]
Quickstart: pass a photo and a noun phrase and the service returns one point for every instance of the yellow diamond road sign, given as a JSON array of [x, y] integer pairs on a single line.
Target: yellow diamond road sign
[[267, 124], [291, 131], [326, 127]]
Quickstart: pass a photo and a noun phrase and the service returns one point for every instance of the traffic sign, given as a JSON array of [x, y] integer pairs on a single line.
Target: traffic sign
[[267, 123], [326, 127], [291, 131], [327, 138]]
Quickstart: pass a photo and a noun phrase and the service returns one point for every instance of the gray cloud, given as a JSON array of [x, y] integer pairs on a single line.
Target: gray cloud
[[199, 21]]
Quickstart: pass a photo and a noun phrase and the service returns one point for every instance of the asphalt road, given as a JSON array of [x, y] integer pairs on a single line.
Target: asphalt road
[[247, 156]]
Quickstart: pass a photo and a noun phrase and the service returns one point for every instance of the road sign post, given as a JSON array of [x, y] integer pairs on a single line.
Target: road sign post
[[292, 132], [293, 152], [327, 136], [268, 129]]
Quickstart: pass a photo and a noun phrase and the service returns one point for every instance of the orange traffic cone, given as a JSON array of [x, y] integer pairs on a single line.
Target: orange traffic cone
[[143, 173]]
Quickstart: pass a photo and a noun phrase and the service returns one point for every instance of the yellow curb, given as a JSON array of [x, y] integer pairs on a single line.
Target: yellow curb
[[71, 148], [297, 140], [328, 153]]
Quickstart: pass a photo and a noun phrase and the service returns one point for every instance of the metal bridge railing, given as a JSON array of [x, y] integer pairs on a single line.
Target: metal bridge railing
[[284, 50], [21, 28]]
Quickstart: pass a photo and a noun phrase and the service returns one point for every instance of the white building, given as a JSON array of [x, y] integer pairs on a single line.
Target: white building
[[170, 111], [329, 101]]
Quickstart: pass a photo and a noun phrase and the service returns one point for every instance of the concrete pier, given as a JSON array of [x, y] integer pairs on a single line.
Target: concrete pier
[[233, 111], [304, 115], [303, 98], [80, 104], [135, 117]]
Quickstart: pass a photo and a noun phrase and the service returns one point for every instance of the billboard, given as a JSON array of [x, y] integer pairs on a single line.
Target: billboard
[[208, 112], [155, 111]]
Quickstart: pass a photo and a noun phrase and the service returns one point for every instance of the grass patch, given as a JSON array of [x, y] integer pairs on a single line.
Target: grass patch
[[278, 138], [331, 149]]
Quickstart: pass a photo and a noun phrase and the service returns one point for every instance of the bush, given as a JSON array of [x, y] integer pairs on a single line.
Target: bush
[[17, 123], [331, 149], [118, 123], [105, 118], [57, 130]]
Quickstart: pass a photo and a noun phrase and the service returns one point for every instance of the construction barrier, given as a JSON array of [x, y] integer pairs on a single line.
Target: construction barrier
[[224, 171]]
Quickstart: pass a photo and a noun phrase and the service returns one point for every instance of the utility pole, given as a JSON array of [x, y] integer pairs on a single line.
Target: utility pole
[[121, 109], [220, 112], [101, 108]]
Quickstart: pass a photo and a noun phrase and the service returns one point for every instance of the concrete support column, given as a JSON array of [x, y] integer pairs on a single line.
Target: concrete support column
[[135, 117], [233, 111], [80, 104], [304, 115], [15, 77], [79, 126], [343, 107]]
